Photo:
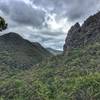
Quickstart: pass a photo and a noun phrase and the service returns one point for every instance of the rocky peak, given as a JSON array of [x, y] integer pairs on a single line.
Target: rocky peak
[[72, 35], [75, 28], [93, 22], [79, 36]]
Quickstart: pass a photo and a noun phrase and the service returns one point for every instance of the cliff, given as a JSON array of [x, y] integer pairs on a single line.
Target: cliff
[[88, 33]]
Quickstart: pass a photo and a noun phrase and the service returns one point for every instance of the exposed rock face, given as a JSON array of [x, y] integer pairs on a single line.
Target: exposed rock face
[[79, 36], [18, 52], [71, 39]]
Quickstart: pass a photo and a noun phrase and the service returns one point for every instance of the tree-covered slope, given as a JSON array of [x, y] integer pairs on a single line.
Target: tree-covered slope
[[18, 52], [75, 76]]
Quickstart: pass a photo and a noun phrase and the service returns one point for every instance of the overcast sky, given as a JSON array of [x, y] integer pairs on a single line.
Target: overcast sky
[[46, 21]]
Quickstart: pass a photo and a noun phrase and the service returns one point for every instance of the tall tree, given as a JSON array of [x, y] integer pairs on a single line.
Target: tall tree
[[3, 24]]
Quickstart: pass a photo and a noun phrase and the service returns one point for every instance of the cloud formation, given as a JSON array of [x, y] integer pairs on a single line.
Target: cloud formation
[[72, 9], [23, 13], [46, 21]]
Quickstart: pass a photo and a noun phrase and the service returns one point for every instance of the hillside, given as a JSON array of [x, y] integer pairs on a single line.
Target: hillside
[[75, 75], [18, 52]]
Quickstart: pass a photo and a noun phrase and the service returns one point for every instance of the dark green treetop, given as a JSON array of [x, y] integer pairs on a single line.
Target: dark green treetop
[[3, 24]]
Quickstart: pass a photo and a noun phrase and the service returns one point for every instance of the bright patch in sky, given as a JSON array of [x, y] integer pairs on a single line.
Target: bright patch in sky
[[58, 25]]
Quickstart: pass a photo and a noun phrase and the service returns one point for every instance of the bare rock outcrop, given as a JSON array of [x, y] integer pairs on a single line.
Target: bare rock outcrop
[[79, 36]]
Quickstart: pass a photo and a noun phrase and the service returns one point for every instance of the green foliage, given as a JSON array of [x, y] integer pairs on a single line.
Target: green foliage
[[3, 25], [75, 76]]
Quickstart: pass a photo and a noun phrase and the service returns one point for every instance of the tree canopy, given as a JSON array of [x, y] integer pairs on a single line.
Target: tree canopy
[[3, 24]]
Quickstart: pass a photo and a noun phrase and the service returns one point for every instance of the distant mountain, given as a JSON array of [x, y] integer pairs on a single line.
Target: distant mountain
[[18, 52], [54, 52]]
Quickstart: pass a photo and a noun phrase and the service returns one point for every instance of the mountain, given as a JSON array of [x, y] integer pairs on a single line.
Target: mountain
[[18, 52], [54, 52], [88, 33], [74, 75]]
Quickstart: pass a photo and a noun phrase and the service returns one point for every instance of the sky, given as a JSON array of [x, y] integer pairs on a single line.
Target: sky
[[46, 21]]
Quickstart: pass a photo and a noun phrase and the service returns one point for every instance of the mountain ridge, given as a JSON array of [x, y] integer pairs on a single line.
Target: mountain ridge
[[20, 52]]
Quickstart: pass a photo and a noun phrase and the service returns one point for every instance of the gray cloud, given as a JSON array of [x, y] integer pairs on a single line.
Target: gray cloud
[[22, 13], [72, 9], [80, 9], [4, 7]]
